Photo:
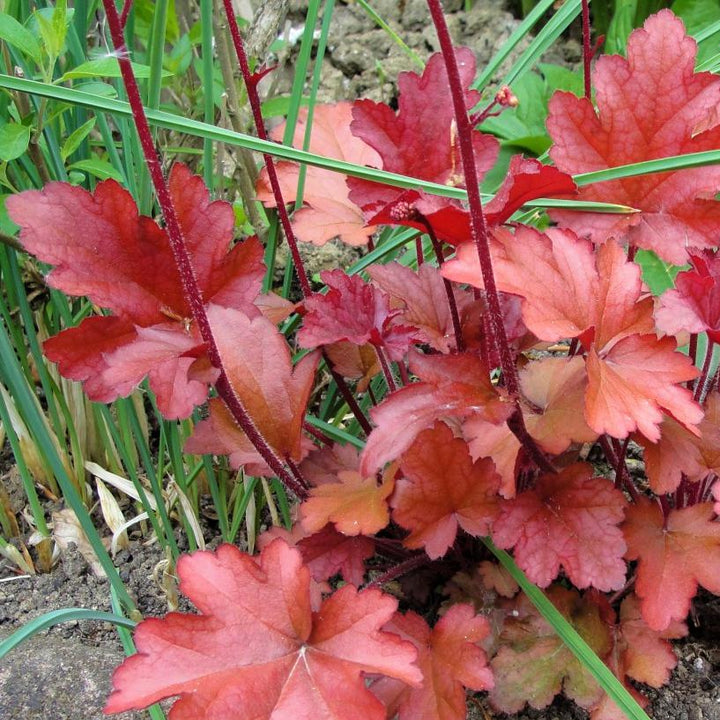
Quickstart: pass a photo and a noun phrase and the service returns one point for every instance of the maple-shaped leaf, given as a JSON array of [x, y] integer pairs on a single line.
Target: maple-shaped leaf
[[570, 519], [425, 304], [101, 247], [421, 139], [533, 664], [675, 454], [650, 105], [442, 489], [526, 179], [356, 505], [570, 291], [263, 652], [327, 211], [355, 311], [694, 304], [450, 660], [648, 656], [451, 386], [675, 554], [327, 552], [259, 367]]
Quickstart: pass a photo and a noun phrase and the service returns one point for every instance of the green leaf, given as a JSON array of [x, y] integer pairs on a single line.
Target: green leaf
[[621, 26], [106, 67], [52, 25], [59, 616], [99, 168], [604, 676], [17, 35], [658, 275], [698, 16], [14, 141], [75, 139], [7, 226]]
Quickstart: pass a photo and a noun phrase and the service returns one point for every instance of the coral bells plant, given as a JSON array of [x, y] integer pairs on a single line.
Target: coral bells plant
[[492, 370]]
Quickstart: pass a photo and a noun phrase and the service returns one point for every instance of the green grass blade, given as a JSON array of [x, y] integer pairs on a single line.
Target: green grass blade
[[206, 11], [55, 618], [157, 49], [511, 43], [377, 19], [584, 653]]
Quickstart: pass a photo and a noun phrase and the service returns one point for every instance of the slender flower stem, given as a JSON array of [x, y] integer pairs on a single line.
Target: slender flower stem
[[319, 435], [127, 6], [254, 99], [454, 315], [387, 370], [587, 50], [702, 383], [479, 231], [622, 476], [191, 288]]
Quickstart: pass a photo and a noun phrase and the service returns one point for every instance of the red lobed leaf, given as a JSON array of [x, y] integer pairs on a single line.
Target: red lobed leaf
[[442, 489], [675, 554], [451, 386], [572, 520], [328, 211], [355, 311], [449, 658], [650, 105], [264, 652], [101, 247], [257, 360]]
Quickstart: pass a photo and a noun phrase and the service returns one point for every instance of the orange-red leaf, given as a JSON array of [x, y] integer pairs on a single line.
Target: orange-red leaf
[[443, 488], [354, 504], [101, 247], [569, 519], [450, 660], [675, 554], [650, 105], [328, 211], [451, 386], [257, 649]]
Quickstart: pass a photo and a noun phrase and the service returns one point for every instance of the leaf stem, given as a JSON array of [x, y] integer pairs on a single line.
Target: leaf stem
[[455, 317], [387, 370], [399, 570], [251, 81], [191, 288], [479, 232], [587, 50]]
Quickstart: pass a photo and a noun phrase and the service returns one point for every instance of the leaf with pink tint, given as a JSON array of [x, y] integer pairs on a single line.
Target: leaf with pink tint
[[327, 552], [259, 367], [675, 554], [496, 441], [450, 386], [631, 385], [650, 105], [694, 304], [567, 520], [328, 211], [294, 664], [101, 247], [443, 489], [425, 303], [357, 362], [450, 659], [354, 311]]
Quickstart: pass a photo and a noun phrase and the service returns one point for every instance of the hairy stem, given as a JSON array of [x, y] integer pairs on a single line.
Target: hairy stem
[[254, 99], [387, 370], [191, 288], [479, 231], [399, 570], [437, 247], [587, 50]]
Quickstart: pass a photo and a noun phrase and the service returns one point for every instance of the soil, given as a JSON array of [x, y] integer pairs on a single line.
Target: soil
[[64, 673]]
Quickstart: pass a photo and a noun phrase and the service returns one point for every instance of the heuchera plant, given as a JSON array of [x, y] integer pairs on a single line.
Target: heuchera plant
[[503, 359]]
